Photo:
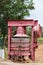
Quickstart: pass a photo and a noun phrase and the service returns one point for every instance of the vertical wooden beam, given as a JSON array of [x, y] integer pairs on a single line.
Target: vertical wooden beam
[[9, 40], [32, 46]]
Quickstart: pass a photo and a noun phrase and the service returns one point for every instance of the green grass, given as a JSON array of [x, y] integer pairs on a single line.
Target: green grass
[[40, 40]]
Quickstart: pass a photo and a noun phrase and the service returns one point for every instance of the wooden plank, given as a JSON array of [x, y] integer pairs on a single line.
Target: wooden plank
[[21, 23]]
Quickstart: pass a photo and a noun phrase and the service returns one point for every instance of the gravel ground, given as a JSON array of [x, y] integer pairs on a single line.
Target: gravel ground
[[11, 63]]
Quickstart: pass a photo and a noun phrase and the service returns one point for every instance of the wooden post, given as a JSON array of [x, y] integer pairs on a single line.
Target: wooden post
[[9, 40], [32, 46]]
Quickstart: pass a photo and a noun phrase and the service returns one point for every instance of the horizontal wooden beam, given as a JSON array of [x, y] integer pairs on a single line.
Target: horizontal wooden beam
[[21, 23]]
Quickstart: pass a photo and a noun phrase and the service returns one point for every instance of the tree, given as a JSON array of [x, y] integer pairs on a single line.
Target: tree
[[13, 10]]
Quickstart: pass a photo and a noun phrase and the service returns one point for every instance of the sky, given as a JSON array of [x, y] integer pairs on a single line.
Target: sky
[[37, 14]]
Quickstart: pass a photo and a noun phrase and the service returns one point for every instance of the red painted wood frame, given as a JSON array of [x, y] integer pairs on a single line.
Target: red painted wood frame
[[25, 23]]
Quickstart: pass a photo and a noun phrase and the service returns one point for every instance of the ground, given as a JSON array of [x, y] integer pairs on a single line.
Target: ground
[[39, 53], [38, 59]]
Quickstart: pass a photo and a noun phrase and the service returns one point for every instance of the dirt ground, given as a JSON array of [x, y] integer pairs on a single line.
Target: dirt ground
[[39, 53], [38, 58]]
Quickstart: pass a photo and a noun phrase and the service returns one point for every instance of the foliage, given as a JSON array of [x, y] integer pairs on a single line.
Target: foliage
[[42, 31], [13, 10], [28, 31], [40, 40]]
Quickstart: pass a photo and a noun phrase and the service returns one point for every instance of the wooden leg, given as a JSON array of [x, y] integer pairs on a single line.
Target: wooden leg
[[33, 55]]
